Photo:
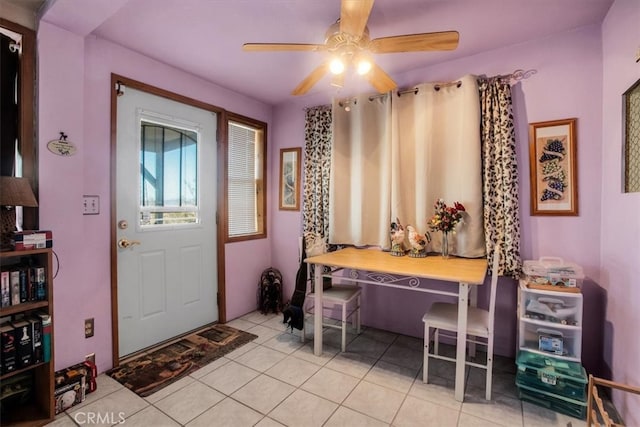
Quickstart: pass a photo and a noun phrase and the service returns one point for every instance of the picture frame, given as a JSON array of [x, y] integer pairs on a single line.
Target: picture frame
[[631, 140], [289, 191], [553, 167]]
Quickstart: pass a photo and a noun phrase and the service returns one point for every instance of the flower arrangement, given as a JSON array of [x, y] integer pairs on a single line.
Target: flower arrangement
[[445, 217]]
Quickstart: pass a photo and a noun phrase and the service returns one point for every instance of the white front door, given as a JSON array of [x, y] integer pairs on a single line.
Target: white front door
[[165, 219]]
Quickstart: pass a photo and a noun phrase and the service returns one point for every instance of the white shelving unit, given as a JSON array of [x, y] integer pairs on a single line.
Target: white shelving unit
[[550, 322]]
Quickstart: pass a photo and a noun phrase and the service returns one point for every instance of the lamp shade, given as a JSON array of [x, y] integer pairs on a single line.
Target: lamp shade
[[15, 191]]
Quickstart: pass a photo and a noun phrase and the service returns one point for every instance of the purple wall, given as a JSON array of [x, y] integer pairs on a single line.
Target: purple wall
[[580, 74], [74, 97], [567, 84], [620, 250]]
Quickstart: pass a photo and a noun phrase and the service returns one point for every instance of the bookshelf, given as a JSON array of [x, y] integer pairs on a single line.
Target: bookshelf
[[38, 409]]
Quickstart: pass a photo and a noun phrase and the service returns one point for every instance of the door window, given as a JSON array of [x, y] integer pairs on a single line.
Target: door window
[[168, 174]]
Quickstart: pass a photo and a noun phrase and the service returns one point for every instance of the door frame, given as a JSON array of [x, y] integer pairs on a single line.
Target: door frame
[[221, 136]]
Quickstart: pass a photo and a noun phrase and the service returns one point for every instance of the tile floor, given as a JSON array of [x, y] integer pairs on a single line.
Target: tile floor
[[277, 381]]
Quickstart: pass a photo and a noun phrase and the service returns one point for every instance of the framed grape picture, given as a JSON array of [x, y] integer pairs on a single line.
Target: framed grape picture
[[554, 176]]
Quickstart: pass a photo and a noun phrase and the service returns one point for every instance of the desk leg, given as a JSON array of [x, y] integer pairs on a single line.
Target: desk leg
[[473, 302], [461, 345], [317, 308]]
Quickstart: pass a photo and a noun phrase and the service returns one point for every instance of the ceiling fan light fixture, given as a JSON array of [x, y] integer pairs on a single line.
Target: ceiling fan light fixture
[[336, 66], [363, 65], [349, 46]]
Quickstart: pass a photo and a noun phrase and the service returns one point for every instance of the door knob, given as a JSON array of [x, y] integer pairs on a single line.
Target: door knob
[[125, 243]]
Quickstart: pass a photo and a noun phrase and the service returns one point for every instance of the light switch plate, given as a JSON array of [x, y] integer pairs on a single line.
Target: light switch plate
[[91, 205]]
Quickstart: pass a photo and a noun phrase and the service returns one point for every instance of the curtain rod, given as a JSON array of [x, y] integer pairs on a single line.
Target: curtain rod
[[514, 77]]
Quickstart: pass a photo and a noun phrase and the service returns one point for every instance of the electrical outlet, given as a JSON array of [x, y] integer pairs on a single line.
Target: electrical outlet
[[91, 358], [88, 328]]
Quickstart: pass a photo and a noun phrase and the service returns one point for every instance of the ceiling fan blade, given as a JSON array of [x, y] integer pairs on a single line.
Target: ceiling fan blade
[[354, 15], [380, 80], [271, 47], [311, 80], [445, 40]]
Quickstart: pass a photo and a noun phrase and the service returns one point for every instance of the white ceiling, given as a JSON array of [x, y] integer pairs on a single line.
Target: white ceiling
[[205, 37]]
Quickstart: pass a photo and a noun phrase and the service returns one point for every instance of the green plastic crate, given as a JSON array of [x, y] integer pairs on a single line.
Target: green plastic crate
[[571, 407], [552, 375]]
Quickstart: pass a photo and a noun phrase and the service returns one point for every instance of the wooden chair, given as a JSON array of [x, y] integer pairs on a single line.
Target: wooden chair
[[595, 406], [480, 324]]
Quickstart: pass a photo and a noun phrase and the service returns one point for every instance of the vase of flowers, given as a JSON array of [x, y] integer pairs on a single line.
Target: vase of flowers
[[445, 220]]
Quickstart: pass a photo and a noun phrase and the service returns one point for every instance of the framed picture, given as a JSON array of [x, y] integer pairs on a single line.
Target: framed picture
[[290, 179], [632, 139], [554, 177]]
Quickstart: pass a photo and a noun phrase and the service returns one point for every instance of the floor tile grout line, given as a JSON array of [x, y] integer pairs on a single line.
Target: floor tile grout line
[[469, 388]]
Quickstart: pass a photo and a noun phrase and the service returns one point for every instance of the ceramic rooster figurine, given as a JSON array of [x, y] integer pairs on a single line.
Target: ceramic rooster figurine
[[397, 238], [418, 243]]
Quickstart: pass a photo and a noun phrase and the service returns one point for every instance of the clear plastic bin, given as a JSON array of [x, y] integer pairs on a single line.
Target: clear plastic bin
[[542, 338], [554, 307], [553, 271]]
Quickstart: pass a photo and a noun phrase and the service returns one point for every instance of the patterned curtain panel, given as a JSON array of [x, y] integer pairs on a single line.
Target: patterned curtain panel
[[500, 174], [317, 167]]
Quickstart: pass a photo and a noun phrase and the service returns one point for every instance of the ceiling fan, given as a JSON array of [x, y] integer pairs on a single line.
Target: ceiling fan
[[348, 43]]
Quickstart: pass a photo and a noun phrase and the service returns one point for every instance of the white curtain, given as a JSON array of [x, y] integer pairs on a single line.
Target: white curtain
[[393, 156], [360, 182], [437, 154]]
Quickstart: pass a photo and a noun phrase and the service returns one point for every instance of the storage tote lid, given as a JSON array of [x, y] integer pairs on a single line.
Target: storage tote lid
[[546, 266], [559, 367]]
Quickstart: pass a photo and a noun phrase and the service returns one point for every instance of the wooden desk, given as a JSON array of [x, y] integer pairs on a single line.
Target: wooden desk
[[462, 271]]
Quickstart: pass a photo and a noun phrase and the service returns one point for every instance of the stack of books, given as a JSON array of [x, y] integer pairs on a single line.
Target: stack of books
[[22, 283], [24, 341]]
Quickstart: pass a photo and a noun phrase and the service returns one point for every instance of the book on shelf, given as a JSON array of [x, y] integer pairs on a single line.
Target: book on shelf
[[7, 348], [24, 343], [24, 285], [45, 319], [36, 338], [38, 282], [5, 289], [14, 282]]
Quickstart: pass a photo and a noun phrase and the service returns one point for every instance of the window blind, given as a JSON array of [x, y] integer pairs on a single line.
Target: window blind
[[241, 186]]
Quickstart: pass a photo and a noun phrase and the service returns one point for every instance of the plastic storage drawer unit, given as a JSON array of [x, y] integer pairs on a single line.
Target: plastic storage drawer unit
[[573, 407], [551, 340], [556, 307], [561, 377]]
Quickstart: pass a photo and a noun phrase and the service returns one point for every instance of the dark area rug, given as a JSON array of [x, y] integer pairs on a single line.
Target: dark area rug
[[149, 373]]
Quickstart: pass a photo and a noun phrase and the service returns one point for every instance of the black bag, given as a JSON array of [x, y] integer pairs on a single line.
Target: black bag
[[270, 291], [293, 312]]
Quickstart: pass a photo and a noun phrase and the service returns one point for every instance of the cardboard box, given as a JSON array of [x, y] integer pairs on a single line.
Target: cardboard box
[[69, 394], [32, 239], [70, 386], [87, 369]]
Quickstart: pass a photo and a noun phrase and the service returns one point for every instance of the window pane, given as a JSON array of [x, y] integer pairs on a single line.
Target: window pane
[[168, 175]]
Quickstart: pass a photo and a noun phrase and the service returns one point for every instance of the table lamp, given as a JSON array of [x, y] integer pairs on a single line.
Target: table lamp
[[14, 191]]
